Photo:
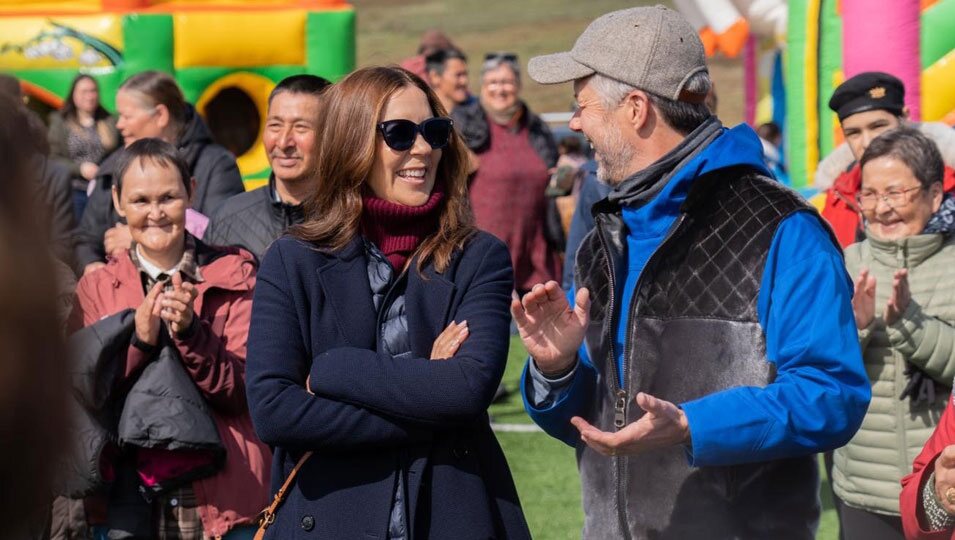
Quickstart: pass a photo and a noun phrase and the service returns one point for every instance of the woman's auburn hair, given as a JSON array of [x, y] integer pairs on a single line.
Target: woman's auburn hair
[[345, 152]]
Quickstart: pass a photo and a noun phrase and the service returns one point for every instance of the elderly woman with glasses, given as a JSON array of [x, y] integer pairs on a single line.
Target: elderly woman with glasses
[[380, 333], [904, 306], [515, 152]]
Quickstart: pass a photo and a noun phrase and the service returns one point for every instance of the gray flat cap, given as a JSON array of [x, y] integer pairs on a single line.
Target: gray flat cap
[[652, 48]]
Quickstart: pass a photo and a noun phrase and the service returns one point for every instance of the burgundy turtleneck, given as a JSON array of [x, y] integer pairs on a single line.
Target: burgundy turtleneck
[[397, 229]]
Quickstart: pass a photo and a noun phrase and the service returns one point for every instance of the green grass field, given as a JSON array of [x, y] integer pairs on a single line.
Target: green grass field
[[546, 472]]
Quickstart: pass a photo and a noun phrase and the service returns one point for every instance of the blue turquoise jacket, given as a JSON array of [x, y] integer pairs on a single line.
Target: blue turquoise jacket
[[821, 391]]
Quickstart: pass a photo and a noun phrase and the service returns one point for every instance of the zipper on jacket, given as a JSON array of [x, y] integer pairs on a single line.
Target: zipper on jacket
[[620, 403]]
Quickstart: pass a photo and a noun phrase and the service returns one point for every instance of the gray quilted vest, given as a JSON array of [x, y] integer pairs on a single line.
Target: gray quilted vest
[[693, 331]]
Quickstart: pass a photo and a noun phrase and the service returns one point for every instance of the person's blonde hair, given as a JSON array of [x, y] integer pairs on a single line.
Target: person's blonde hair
[[345, 154]]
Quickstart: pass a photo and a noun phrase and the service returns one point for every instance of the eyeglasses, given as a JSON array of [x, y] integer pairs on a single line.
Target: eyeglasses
[[506, 56], [894, 198], [401, 134]]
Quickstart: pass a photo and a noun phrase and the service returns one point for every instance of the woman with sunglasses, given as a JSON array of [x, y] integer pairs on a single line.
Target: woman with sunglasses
[[380, 332], [515, 153], [904, 306]]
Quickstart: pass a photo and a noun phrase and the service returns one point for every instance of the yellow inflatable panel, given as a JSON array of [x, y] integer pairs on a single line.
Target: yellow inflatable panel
[[49, 42], [258, 89], [938, 88], [50, 6], [234, 39], [818, 201]]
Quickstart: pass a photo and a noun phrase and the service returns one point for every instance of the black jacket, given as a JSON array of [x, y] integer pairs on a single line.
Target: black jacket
[[253, 220], [55, 194], [373, 413], [214, 168], [162, 410]]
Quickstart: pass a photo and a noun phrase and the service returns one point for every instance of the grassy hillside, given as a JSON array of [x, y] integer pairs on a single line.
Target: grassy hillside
[[389, 30]]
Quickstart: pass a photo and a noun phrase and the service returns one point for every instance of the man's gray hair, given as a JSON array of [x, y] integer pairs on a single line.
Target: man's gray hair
[[492, 62], [682, 116]]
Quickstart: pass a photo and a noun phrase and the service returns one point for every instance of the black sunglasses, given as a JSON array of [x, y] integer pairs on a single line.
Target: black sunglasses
[[401, 134], [506, 56]]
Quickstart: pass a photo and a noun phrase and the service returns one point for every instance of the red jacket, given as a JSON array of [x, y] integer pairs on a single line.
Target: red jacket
[[910, 500], [214, 356], [841, 209]]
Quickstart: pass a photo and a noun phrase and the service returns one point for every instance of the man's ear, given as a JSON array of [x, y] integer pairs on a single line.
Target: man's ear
[[637, 107], [905, 114], [116, 204]]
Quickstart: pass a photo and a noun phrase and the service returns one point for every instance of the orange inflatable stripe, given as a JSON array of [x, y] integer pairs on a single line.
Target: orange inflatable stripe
[[928, 3], [708, 37], [42, 94], [949, 118], [732, 41], [127, 6]]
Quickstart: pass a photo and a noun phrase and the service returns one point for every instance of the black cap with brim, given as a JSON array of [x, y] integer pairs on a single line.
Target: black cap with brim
[[869, 91]]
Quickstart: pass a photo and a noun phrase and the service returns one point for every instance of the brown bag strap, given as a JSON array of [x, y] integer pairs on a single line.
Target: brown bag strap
[[267, 516]]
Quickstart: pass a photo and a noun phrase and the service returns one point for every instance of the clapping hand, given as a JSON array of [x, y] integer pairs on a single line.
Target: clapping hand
[[177, 305], [900, 298]]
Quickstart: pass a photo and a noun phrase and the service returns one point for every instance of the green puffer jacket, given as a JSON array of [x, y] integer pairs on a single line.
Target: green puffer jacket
[[867, 471]]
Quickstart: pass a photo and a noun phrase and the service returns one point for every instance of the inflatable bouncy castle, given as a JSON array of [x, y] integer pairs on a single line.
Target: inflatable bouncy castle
[[227, 55], [796, 53]]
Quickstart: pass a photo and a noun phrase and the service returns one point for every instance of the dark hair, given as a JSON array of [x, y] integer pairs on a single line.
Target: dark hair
[[10, 86], [157, 151], [345, 153], [769, 131], [911, 147], [438, 60], [300, 84], [159, 88], [33, 361], [68, 111], [682, 116]]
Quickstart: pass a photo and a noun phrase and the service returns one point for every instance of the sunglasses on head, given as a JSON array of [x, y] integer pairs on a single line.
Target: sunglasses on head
[[506, 56], [400, 135]]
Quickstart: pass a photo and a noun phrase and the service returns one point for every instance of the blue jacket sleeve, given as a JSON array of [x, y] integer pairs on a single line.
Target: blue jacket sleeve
[[441, 392], [821, 391], [283, 412]]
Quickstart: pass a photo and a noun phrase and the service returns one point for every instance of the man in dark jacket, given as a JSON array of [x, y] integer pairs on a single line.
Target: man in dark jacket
[[212, 166], [712, 373], [253, 220]]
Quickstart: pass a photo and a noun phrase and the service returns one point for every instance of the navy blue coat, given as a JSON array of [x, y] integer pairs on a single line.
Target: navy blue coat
[[371, 415]]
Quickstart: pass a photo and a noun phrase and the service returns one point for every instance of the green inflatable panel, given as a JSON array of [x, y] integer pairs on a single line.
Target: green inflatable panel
[[794, 71], [830, 64], [938, 39], [330, 43]]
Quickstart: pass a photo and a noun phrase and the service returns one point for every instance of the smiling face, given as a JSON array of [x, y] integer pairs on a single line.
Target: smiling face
[[405, 177], [604, 129], [452, 84], [499, 89], [909, 216], [154, 201], [289, 136], [137, 120], [859, 129], [86, 95]]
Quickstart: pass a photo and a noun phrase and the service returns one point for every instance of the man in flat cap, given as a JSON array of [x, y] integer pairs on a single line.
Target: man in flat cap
[[719, 346], [867, 105]]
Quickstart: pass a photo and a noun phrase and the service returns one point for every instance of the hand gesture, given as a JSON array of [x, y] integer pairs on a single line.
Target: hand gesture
[[863, 300], [551, 331], [663, 425], [177, 304], [447, 344], [117, 238], [900, 298], [945, 479], [147, 316]]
